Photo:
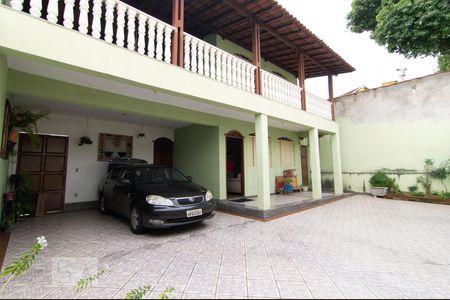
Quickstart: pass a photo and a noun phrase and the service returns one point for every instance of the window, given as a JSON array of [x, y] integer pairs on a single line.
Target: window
[[114, 175], [126, 175], [287, 153], [252, 151]]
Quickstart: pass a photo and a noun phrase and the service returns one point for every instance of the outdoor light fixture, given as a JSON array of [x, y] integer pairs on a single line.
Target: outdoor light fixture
[[141, 133]]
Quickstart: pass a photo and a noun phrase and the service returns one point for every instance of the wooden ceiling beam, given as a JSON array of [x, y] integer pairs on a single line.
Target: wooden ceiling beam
[[247, 13], [278, 51], [208, 7], [230, 22]]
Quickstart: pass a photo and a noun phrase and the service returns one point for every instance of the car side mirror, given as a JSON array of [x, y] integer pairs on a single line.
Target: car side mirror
[[189, 178]]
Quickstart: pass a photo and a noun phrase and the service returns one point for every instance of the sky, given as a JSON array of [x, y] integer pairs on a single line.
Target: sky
[[373, 63]]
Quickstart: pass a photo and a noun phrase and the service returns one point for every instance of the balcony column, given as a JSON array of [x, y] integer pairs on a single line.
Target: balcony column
[[256, 46], [331, 96], [178, 35], [314, 154], [301, 79], [262, 162], [337, 166]]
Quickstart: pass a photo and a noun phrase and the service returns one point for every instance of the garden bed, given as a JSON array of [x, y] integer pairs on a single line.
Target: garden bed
[[427, 199]]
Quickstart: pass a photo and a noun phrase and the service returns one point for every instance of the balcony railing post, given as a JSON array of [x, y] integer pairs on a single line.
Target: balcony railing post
[[256, 46], [301, 80], [178, 36], [331, 96]]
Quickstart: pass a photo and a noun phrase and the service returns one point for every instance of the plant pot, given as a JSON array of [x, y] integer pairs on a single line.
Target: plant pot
[[9, 197], [288, 188], [379, 191], [13, 136], [305, 188]]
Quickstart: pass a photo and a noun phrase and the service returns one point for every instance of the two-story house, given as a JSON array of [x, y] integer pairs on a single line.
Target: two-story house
[[214, 87]]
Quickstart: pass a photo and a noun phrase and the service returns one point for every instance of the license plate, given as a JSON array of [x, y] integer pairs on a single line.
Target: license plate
[[194, 213]]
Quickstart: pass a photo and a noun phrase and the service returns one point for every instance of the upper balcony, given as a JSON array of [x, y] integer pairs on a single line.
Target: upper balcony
[[263, 29]]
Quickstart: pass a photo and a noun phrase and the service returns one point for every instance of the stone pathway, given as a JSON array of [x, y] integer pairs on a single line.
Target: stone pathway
[[359, 247]]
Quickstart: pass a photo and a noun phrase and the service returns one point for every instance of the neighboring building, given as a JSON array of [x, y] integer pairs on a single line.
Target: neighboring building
[[356, 91], [219, 82], [393, 128]]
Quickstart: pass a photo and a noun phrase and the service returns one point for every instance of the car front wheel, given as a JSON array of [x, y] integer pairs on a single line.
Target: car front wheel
[[136, 220]]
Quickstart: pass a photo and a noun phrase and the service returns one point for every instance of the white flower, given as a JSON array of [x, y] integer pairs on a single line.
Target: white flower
[[42, 241]]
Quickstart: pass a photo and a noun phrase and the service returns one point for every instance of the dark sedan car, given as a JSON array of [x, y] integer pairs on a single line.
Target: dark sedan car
[[154, 197]]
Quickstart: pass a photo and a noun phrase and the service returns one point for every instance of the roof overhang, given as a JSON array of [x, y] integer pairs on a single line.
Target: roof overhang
[[283, 37]]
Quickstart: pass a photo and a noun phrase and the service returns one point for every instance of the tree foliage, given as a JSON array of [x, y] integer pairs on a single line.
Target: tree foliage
[[409, 27], [363, 15]]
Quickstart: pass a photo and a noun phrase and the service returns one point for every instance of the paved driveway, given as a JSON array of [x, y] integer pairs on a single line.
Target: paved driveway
[[358, 247]]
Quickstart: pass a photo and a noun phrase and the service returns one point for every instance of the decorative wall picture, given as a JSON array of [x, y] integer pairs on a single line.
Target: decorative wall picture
[[113, 146]]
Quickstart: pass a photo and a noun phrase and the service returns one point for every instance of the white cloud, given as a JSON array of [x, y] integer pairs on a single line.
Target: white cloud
[[373, 64]]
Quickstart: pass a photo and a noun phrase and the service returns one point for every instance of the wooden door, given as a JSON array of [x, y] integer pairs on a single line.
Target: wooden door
[[46, 163], [304, 162], [163, 152]]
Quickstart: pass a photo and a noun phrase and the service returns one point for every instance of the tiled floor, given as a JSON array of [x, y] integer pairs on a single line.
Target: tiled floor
[[279, 200], [359, 247]]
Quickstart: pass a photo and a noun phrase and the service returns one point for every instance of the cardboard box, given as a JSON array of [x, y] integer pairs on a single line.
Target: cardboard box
[[279, 184], [290, 173]]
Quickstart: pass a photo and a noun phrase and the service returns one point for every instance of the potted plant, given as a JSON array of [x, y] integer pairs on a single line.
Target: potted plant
[[24, 195], [381, 184], [24, 120], [288, 186], [9, 224], [85, 140]]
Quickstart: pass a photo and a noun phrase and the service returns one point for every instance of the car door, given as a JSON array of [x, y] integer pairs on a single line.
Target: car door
[[108, 189], [122, 192]]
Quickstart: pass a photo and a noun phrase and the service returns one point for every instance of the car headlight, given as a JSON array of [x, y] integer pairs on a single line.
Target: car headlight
[[158, 200], [209, 196]]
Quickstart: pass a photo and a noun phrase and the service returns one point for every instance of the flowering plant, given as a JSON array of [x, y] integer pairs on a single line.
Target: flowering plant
[[23, 263]]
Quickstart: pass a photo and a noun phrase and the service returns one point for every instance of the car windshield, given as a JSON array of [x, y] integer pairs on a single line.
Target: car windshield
[[159, 175]]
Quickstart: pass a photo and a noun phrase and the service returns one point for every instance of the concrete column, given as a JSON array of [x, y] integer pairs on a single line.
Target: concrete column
[[262, 162], [314, 154], [3, 162], [337, 166]]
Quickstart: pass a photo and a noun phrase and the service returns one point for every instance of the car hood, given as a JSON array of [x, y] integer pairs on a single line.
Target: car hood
[[169, 190]]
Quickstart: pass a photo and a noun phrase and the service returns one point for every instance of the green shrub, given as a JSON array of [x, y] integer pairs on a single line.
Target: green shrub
[[445, 195], [413, 188], [436, 193], [418, 194], [380, 179], [425, 182]]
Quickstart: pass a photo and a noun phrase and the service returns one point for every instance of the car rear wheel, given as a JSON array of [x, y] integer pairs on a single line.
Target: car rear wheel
[[136, 220], [104, 210]]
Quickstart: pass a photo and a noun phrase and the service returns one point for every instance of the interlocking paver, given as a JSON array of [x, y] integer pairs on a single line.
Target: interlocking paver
[[359, 247]]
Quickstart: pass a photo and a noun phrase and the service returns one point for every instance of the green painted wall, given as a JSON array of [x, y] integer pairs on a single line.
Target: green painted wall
[[3, 162], [395, 128], [276, 169], [200, 151], [232, 48], [196, 154], [31, 85]]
